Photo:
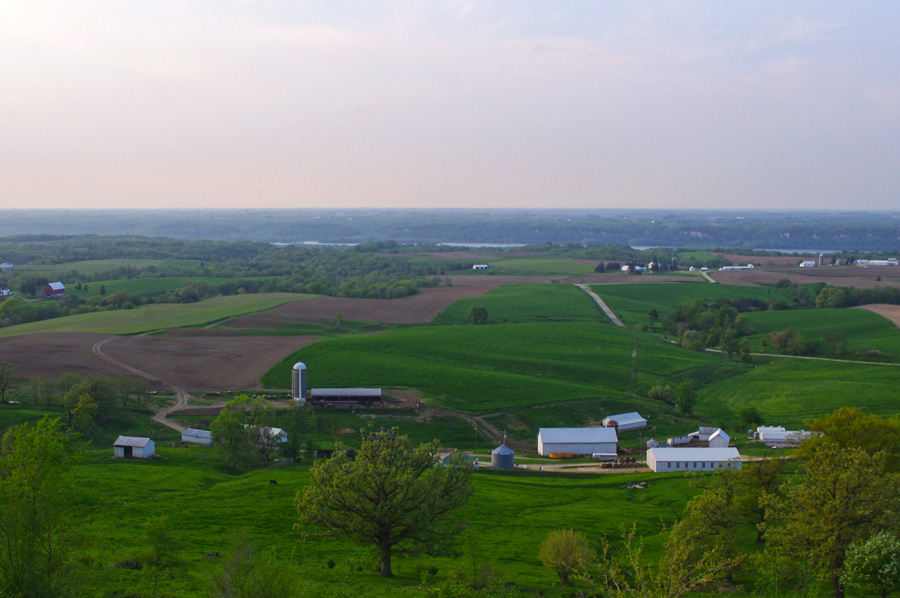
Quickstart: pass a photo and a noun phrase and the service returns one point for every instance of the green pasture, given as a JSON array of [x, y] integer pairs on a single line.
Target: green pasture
[[540, 267], [510, 513], [862, 329], [793, 392], [480, 369], [528, 303], [632, 302], [89, 267], [703, 256], [149, 318]]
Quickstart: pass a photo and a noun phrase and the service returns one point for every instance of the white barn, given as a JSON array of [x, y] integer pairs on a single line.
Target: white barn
[[577, 441], [195, 436], [664, 458], [778, 435], [128, 447], [625, 421], [719, 439]]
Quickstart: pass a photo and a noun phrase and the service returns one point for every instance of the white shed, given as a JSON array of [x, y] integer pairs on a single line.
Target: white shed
[[127, 447], [625, 421], [719, 439], [778, 435], [664, 458], [195, 436], [576, 441]]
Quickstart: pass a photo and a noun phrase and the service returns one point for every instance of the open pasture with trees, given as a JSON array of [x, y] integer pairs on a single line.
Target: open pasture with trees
[[518, 303]]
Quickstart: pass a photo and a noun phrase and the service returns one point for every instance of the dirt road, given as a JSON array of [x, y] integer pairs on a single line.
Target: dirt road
[[615, 320]]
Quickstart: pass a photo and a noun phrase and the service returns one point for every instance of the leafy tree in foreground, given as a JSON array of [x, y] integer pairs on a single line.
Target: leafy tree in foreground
[[477, 315], [231, 438], [567, 552], [34, 493], [874, 565], [391, 496], [844, 497]]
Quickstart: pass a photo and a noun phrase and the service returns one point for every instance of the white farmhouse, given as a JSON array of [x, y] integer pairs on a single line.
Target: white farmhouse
[[663, 458], [577, 441], [625, 421], [128, 447]]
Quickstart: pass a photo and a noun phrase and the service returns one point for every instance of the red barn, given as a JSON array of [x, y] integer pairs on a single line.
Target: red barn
[[54, 289]]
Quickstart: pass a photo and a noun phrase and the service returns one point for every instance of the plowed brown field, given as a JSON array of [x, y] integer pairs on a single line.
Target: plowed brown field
[[416, 309], [850, 276], [891, 312], [192, 363]]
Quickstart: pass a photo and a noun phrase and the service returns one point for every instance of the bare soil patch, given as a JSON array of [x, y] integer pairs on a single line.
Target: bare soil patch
[[891, 312], [53, 354], [416, 309], [202, 363]]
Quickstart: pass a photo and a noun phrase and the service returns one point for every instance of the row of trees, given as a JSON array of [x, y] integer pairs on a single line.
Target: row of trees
[[700, 323]]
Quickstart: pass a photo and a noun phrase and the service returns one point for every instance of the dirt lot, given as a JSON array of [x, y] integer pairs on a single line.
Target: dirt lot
[[891, 312], [849, 276], [192, 363], [417, 309]]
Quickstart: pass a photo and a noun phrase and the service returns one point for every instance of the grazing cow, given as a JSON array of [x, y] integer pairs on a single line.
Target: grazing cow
[[273, 482]]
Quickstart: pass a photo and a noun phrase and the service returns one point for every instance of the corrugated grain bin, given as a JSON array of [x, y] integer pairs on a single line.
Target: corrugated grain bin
[[503, 457]]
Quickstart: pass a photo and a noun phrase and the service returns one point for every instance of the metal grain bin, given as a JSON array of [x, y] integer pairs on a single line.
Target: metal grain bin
[[503, 457]]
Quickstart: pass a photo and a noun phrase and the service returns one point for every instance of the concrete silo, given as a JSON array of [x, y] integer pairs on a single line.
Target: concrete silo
[[298, 382], [503, 457]]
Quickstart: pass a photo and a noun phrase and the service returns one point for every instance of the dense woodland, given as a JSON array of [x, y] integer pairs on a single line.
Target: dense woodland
[[860, 231]]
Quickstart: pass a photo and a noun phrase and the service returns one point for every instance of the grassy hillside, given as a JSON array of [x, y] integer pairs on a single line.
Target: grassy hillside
[[528, 303], [480, 369], [157, 317]]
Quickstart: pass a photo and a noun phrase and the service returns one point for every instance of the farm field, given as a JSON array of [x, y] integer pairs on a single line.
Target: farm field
[[151, 318], [527, 303], [541, 267], [845, 276], [145, 286]]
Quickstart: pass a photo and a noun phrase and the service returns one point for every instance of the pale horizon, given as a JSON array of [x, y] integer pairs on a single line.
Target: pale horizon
[[450, 105]]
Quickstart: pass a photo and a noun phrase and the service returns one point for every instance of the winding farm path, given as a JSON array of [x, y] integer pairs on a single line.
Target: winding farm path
[[613, 317], [160, 414], [708, 277]]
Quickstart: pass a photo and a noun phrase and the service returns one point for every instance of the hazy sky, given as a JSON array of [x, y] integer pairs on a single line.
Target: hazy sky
[[430, 103]]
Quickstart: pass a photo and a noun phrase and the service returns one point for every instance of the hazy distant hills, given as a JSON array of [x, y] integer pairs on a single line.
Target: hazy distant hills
[[862, 231]]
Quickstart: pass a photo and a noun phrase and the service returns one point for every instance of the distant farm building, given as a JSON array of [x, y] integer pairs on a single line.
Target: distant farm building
[[665, 458], [747, 267], [480, 267], [625, 421], [565, 442], [704, 436], [503, 457], [54, 289], [891, 261], [778, 435], [6, 266], [808, 264], [5, 292], [719, 439], [194, 436], [133, 447], [346, 397]]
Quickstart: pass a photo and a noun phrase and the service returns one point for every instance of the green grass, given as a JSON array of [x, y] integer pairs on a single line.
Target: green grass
[[632, 302], [862, 329], [481, 369], [94, 266], [150, 318], [144, 286], [528, 303]]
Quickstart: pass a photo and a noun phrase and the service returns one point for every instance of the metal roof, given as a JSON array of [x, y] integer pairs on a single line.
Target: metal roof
[[576, 435], [131, 441], [197, 433], [345, 392], [699, 453], [57, 286], [627, 418], [721, 434], [503, 450]]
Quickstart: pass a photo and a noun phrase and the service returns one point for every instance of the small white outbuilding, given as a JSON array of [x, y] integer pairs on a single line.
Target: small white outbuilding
[[134, 447], [666, 459], [625, 421], [719, 439], [195, 436]]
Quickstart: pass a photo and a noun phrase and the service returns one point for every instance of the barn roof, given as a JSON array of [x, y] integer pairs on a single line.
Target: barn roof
[[345, 392], [624, 419], [57, 286], [503, 450], [134, 441], [197, 433], [720, 433], [699, 453], [577, 435]]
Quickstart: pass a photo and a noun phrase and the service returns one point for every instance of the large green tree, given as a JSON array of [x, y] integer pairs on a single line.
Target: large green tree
[[390, 495], [34, 492], [874, 565], [845, 496]]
